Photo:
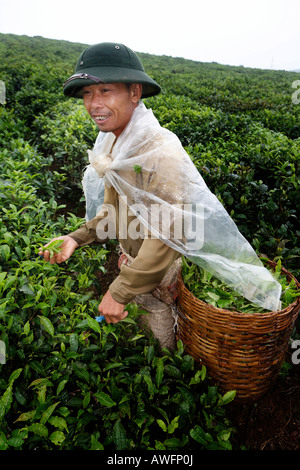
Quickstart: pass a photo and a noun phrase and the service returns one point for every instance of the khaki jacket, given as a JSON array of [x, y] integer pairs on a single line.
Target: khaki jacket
[[152, 257]]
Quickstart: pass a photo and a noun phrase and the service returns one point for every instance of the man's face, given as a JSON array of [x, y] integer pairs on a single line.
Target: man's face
[[111, 105]]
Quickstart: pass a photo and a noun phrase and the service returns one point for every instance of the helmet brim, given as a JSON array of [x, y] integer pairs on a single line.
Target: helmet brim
[[92, 75]]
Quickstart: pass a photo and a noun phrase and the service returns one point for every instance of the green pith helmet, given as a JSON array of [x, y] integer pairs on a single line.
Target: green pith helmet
[[109, 63]]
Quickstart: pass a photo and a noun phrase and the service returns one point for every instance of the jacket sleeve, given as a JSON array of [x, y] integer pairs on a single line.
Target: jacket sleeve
[[145, 272], [101, 228]]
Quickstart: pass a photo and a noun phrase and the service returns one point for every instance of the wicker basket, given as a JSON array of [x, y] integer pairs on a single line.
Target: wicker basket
[[242, 351]]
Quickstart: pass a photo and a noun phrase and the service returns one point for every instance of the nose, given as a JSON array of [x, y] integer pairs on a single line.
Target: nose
[[96, 100]]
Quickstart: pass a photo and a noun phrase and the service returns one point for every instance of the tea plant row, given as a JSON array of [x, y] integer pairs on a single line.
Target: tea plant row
[[68, 381]]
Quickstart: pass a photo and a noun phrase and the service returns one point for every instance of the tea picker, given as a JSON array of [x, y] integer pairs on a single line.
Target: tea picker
[[168, 180]]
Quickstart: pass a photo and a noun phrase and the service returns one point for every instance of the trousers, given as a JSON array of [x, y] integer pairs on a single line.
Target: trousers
[[161, 317]]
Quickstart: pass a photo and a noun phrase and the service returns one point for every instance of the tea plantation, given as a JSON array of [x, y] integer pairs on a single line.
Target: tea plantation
[[66, 381]]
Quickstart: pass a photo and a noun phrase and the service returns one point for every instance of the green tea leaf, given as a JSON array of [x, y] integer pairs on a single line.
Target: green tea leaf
[[27, 328], [173, 371], [104, 399], [15, 441], [228, 397], [94, 325], [58, 422], [46, 415], [159, 372], [172, 443], [150, 353], [14, 375], [6, 401], [27, 290], [47, 324], [119, 435], [162, 425], [81, 372], [57, 437], [39, 429], [137, 168], [86, 400], [73, 342], [5, 252], [198, 435], [95, 444], [173, 425], [61, 386], [26, 416]]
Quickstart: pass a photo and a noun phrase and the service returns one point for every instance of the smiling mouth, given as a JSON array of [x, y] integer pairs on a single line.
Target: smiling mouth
[[101, 118]]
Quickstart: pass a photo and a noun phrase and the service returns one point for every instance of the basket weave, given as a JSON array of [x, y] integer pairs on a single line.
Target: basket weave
[[242, 351]]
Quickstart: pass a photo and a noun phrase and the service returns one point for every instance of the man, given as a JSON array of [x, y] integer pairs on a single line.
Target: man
[[155, 201], [105, 78]]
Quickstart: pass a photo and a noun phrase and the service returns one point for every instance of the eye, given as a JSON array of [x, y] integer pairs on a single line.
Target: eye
[[86, 92]]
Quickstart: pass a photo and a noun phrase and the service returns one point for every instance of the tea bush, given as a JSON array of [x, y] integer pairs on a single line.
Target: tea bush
[[70, 382], [66, 132]]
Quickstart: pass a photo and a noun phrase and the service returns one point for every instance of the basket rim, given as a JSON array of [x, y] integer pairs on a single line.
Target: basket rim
[[235, 313]]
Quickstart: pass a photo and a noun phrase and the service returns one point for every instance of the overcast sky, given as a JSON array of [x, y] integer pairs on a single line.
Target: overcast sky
[[254, 33]]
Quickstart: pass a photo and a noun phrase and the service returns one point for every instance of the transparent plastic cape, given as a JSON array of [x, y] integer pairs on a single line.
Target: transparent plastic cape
[[154, 175]]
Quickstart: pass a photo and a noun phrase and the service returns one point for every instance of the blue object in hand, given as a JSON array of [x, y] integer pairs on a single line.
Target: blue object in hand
[[101, 318]]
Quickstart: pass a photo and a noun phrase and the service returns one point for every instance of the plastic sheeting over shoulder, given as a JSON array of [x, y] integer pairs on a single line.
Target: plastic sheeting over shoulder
[[154, 175]]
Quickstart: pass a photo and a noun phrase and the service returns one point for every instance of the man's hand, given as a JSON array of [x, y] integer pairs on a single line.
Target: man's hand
[[112, 310], [66, 250]]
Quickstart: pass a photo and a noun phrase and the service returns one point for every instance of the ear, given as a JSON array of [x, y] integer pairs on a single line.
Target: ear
[[136, 90]]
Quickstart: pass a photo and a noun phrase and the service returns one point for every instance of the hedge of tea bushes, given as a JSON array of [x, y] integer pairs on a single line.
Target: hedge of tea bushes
[[68, 382]]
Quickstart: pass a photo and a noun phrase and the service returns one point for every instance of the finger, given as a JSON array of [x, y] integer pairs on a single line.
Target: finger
[[110, 319], [59, 258], [46, 255], [53, 259], [124, 315], [117, 318]]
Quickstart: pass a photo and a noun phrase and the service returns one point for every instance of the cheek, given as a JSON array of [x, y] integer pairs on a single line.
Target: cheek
[[86, 102]]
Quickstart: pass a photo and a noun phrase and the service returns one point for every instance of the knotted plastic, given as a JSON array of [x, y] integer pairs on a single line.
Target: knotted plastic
[[152, 172]]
